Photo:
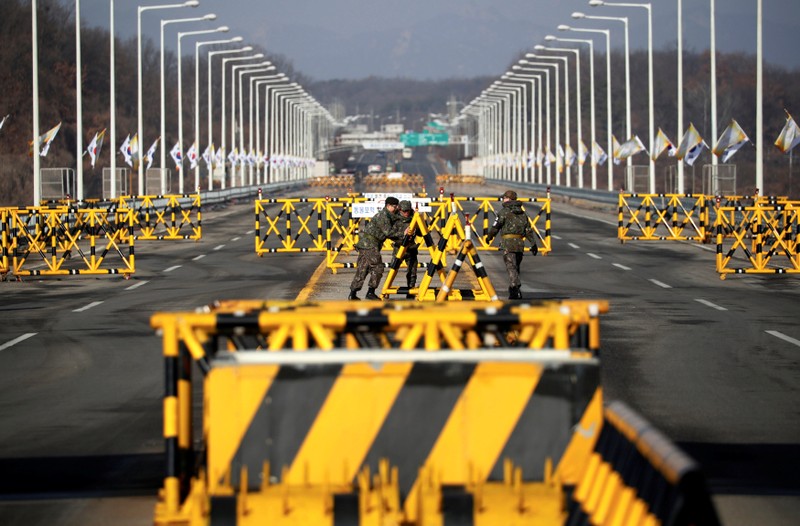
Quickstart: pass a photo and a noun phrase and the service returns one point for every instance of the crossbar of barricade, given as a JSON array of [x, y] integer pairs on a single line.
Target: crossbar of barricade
[[290, 229], [764, 237], [165, 217], [68, 241], [663, 217]]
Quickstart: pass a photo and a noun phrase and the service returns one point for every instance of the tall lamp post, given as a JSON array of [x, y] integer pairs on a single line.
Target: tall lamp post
[[591, 88], [234, 71], [222, 104], [139, 130], [197, 47], [221, 29], [545, 67], [533, 80], [165, 23], [563, 61], [79, 101], [255, 84], [596, 3], [537, 77], [250, 119]]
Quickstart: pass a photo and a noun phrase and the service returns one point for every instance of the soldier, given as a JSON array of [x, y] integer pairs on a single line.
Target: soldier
[[405, 216], [379, 229], [515, 227]]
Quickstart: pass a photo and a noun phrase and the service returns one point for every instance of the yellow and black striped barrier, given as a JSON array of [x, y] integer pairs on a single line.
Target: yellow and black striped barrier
[[676, 218], [165, 217], [460, 179], [67, 240]]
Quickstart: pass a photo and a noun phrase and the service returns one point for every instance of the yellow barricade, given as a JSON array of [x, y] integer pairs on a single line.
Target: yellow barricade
[[180, 217], [5, 243], [290, 228], [460, 179], [766, 235], [333, 181], [68, 241], [677, 217]]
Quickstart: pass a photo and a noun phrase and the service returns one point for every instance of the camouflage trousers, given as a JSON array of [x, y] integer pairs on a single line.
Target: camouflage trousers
[[512, 261], [412, 262], [369, 262]]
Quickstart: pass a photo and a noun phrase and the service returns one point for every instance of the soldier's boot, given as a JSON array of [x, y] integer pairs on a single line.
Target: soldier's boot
[[411, 281], [517, 293], [353, 295], [371, 294]]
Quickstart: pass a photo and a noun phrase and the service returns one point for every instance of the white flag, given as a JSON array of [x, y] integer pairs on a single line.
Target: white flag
[[126, 151], [95, 146]]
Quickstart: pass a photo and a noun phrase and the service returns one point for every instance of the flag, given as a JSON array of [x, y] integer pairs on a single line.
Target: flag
[[599, 155], [251, 158], [208, 156], [582, 153], [539, 157], [662, 143], [95, 146], [47, 138], [133, 148], [790, 135], [560, 159], [125, 150], [691, 146], [219, 158], [177, 156], [570, 156], [630, 148], [615, 146], [233, 156], [549, 158], [192, 156], [151, 153], [730, 141], [4, 121]]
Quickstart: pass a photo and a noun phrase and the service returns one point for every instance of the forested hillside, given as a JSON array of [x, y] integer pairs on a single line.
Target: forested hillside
[[412, 100]]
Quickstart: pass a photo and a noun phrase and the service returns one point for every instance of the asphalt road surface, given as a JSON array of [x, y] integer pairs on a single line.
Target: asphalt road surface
[[714, 364]]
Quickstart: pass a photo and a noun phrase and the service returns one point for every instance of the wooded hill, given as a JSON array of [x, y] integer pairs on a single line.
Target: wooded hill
[[413, 100]]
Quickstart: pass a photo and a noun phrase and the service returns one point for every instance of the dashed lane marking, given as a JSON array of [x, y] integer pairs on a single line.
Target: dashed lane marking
[[89, 306], [660, 284], [623, 267], [219, 247], [170, 269], [201, 256], [136, 285], [573, 245], [709, 304], [595, 256], [777, 334], [16, 340], [237, 238]]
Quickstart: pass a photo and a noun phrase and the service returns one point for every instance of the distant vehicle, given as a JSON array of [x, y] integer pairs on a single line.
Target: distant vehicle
[[407, 153], [374, 169], [351, 159]]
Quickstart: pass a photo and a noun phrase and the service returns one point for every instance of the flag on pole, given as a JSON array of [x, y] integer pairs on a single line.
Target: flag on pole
[[570, 156], [549, 158], [192, 156], [151, 153], [691, 146], [176, 155], [133, 149], [662, 143], [45, 140], [630, 148], [209, 156], [539, 157], [95, 146], [233, 156], [560, 159], [615, 146], [730, 141], [4, 121], [219, 158], [125, 150], [599, 156], [790, 135], [583, 151]]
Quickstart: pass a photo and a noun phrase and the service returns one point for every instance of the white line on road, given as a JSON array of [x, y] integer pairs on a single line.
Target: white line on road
[[17, 340], [89, 306], [249, 232], [660, 284], [201, 256], [219, 247], [136, 285], [709, 304], [595, 256], [783, 337], [573, 245], [170, 269], [555, 237], [623, 267], [237, 238]]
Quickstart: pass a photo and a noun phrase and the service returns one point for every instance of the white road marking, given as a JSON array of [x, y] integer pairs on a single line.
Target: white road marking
[[17, 340], [237, 238], [250, 232], [555, 237], [136, 285], [777, 334], [709, 304], [573, 245], [201, 256], [218, 247], [170, 269], [660, 284], [623, 267], [595, 256], [89, 306]]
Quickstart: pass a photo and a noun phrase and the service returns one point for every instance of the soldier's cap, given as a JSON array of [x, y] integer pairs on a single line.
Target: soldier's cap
[[510, 194], [392, 201], [405, 206]]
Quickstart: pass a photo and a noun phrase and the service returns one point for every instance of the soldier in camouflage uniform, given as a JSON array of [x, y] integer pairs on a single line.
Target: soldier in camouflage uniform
[[513, 223], [378, 230], [404, 218]]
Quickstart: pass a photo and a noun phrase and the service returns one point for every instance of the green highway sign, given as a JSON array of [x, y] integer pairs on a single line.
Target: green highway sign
[[424, 139]]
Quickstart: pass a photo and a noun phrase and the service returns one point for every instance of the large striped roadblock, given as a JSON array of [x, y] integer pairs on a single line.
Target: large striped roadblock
[[328, 225], [66, 240], [660, 217], [334, 413], [165, 217], [758, 239]]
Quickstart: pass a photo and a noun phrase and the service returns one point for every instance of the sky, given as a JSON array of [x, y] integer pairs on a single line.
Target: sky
[[438, 39]]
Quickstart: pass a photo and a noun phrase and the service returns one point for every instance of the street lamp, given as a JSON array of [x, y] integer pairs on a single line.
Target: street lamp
[[139, 131], [241, 117], [609, 130], [264, 80], [221, 29], [515, 134], [591, 88], [551, 38], [222, 104], [165, 23], [197, 47], [565, 63], [268, 67], [596, 3], [79, 102], [556, 83], [536, 77]]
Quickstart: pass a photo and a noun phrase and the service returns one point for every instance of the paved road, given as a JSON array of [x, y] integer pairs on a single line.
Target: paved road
[[712, 363]]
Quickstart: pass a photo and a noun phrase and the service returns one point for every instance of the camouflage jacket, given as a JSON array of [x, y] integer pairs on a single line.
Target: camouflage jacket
[[513, 224], [399, 228], [379, 228]]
